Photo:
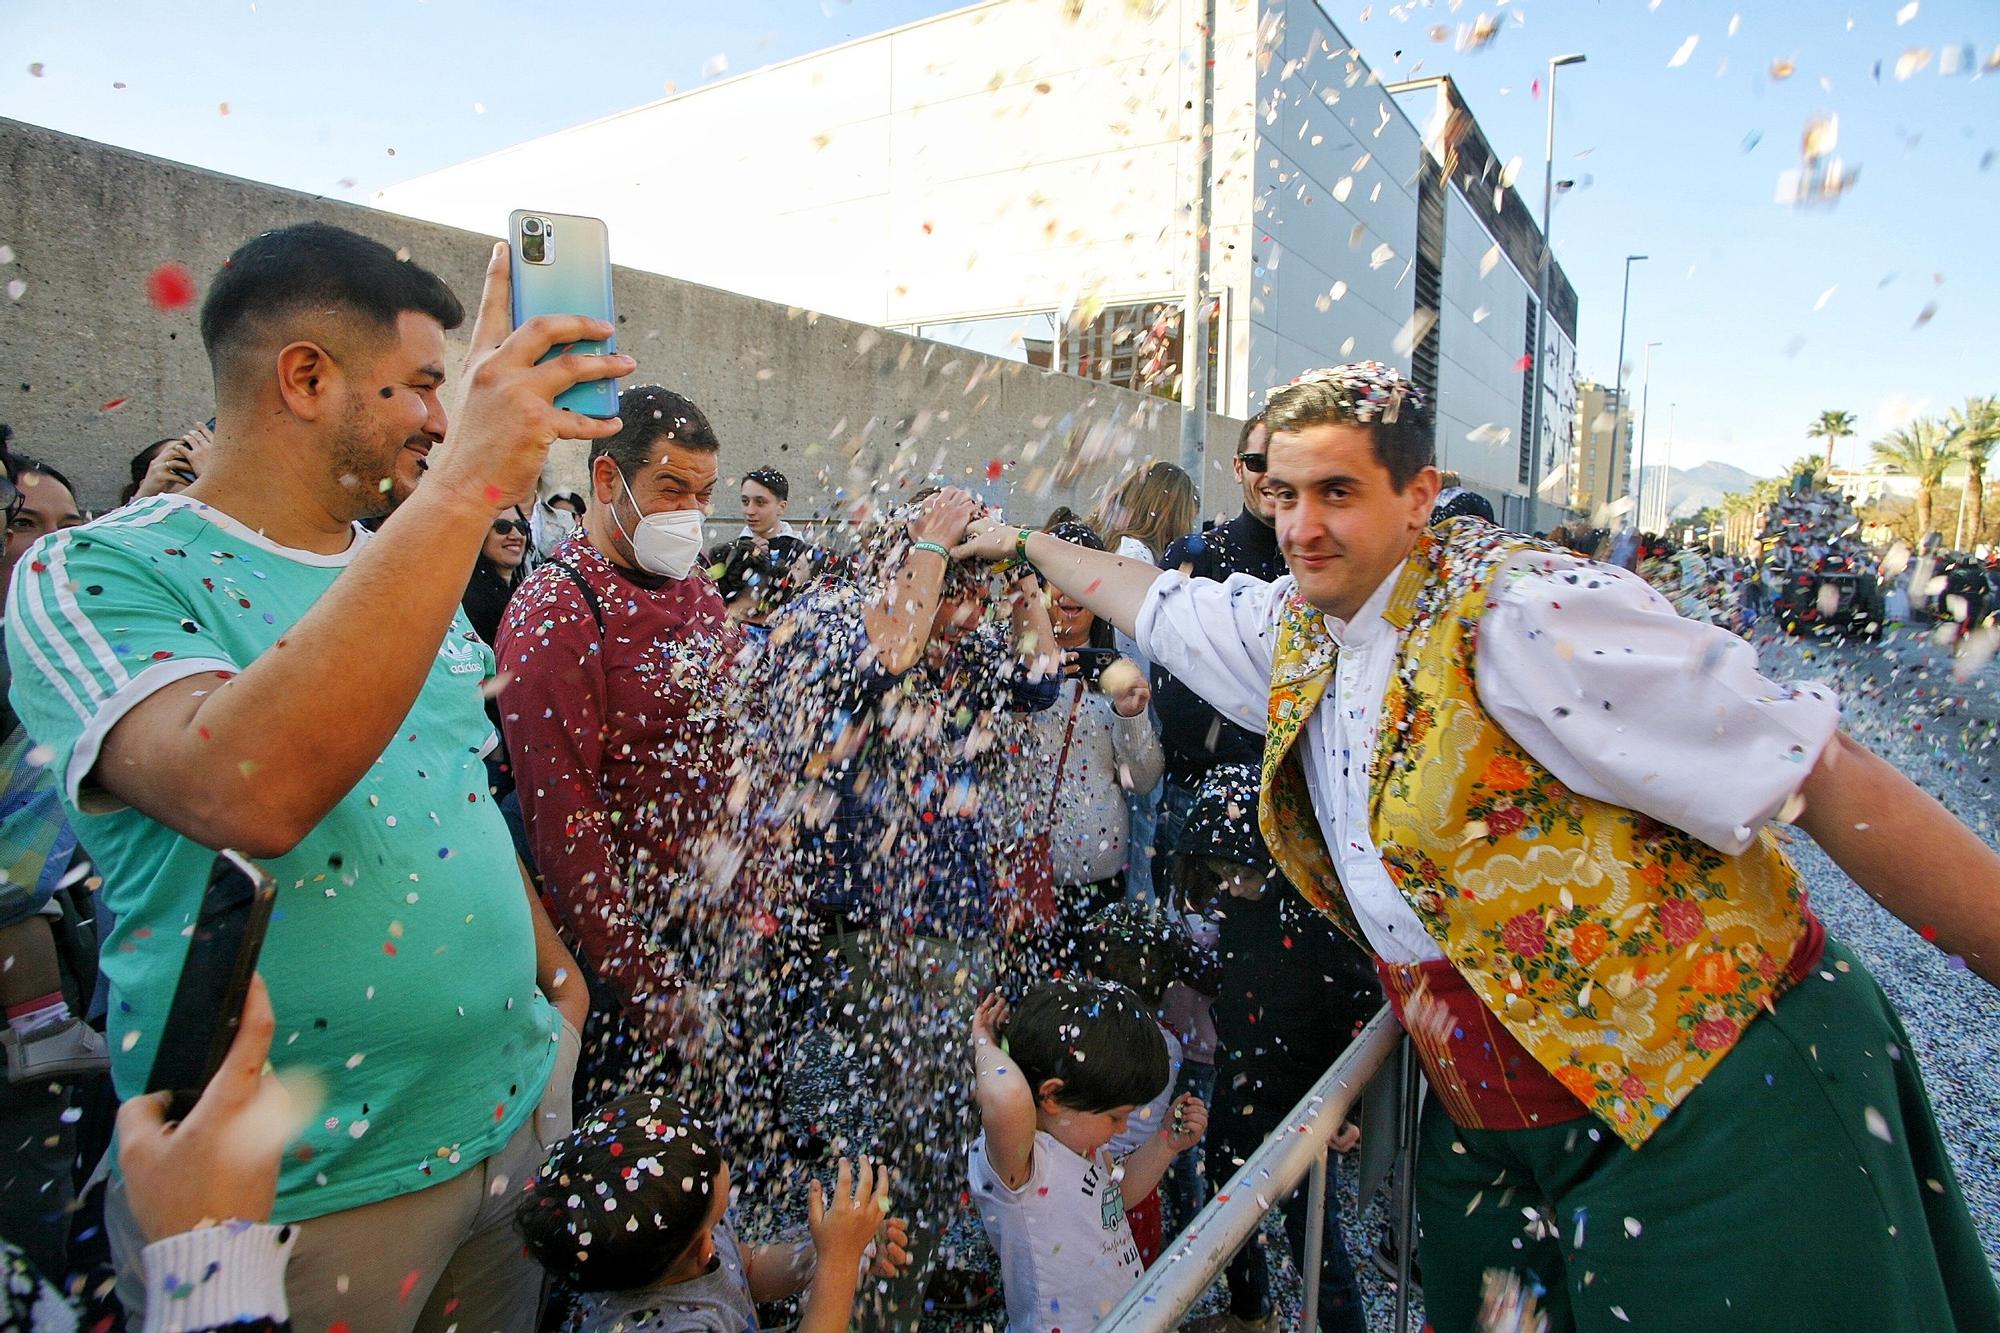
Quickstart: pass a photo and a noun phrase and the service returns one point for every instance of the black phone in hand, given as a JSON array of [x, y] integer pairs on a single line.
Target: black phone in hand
[[208, 1000], [1090, 664]]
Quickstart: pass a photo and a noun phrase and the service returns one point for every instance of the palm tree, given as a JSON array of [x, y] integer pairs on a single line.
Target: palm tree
[[1832, 426], [1975, 429], [1923, 450]]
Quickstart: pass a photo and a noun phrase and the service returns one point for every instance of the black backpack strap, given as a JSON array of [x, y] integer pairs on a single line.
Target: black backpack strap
[[589, 593]]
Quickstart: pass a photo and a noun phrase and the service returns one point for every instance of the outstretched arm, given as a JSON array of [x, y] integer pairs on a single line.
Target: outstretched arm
[[1112, 586], [1147, 1164], [1908, 851]]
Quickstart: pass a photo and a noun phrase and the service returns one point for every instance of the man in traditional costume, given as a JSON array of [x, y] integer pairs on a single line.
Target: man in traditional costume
[[1541, 798]]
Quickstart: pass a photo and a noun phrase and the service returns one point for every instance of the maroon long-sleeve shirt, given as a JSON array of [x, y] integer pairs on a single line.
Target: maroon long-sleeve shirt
[[619, 738]]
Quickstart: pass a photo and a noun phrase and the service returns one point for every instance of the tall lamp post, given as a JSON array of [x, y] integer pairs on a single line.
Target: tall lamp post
[[1618, 411], [1639, 487], [1542, 297]]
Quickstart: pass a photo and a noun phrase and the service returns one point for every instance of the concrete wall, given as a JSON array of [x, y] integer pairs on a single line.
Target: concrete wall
[[835, 405]]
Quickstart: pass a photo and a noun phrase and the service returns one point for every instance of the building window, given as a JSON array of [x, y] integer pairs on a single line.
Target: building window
[[1138, 346], [1029, 338]]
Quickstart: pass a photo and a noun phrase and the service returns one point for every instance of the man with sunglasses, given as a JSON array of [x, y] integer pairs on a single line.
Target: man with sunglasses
[[1196, 737]]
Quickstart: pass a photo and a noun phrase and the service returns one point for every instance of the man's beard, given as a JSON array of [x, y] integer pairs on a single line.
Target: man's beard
[[361, 463]]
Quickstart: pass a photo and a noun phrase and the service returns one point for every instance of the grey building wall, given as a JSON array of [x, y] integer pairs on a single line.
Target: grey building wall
[[837, 406]]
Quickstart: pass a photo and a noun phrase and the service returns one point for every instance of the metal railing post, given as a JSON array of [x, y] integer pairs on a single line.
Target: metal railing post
[[1315, 1240], [1189, 1264], [1406, 1185]]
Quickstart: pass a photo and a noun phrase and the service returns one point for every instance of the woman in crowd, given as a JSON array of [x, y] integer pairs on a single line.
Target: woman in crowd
[[501, 566], [497, 573], [1099, 745], [1153, 507]]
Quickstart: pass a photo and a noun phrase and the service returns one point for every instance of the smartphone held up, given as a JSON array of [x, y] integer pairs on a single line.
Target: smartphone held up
[[560, 264]]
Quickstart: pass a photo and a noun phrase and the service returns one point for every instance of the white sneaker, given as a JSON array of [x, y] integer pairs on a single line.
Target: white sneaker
[[68, 1049]]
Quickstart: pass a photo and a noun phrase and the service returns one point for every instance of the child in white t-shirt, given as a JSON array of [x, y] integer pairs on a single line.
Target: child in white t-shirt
[[1056, 1083]]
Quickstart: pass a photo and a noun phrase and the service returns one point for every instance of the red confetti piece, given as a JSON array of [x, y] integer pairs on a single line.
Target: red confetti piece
[[494, 495], [927, 229], [617, 1150], [499, 1112], [170, 286], [409, 1285], [1928, 932], [1525, 362], [994, 468], [113, 405], [389, 947]]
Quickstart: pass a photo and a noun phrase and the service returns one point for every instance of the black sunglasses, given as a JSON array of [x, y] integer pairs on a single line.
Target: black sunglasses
[[10, 494], [1253, 462], [503, 526]]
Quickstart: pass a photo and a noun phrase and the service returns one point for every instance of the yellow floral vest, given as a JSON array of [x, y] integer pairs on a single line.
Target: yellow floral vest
[[1624, 955]]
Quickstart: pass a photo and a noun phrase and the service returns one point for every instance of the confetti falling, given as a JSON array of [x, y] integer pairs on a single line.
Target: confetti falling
[[170, 287]]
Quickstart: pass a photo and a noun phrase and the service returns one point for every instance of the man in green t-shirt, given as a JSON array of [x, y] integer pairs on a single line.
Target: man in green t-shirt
[[242, 665]]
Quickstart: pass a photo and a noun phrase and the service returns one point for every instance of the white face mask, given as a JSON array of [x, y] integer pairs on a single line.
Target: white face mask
[[666, 544]]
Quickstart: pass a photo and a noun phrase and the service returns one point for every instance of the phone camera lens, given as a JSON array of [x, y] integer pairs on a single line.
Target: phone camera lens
[[531, 227]]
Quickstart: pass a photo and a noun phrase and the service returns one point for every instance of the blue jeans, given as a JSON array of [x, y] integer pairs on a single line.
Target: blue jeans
[[1176, 804], [1143, 811]]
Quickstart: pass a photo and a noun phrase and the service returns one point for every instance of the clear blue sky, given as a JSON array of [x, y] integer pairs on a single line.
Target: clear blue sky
[[1679, 163]]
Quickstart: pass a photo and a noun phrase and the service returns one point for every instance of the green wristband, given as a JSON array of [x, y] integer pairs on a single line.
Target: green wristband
[[1021, 544], [942, 552]]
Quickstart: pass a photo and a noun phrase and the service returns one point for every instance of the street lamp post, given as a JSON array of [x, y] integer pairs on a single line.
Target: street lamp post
[[1542, 297], [1618, 411], [1639, 487]]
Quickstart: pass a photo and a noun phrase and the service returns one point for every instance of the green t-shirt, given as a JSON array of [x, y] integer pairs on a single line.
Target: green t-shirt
[[401, 955]]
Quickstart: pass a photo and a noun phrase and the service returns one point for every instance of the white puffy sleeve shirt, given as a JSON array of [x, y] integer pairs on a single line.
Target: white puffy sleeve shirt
[[1585, 666]]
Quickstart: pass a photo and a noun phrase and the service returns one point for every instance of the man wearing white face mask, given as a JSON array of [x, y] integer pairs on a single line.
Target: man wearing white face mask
[[614, 651]]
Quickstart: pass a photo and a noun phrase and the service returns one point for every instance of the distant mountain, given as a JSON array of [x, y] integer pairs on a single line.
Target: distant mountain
[[1696, 488]]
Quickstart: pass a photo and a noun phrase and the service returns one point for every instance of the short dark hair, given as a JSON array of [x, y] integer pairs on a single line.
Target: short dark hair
[[1097, 1037], [646, 1158], [651, 414], [1368, 394], [771, 480], [20, 465], [313, 266], [1249, 429]]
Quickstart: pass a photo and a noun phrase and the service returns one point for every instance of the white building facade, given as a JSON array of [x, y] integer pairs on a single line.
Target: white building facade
[[1024, 177]]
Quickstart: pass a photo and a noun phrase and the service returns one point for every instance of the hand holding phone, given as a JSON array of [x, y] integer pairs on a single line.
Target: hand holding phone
[[215, 981], [505, 417], [1088, 664], [220, 1163]]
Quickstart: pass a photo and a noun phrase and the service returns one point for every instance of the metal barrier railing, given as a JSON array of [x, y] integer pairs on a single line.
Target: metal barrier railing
[[1296, 1150]]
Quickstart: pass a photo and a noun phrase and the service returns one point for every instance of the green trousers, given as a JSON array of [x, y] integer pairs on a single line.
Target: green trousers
[[1802, 1186]]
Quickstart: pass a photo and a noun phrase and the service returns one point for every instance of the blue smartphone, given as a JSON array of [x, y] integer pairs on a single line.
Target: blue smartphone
[[561, 265]]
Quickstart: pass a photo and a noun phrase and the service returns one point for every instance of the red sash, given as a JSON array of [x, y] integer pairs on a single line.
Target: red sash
[[1485, 1078]]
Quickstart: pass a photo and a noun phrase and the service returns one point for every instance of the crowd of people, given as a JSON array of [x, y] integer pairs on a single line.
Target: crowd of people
[[1068, 855]]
